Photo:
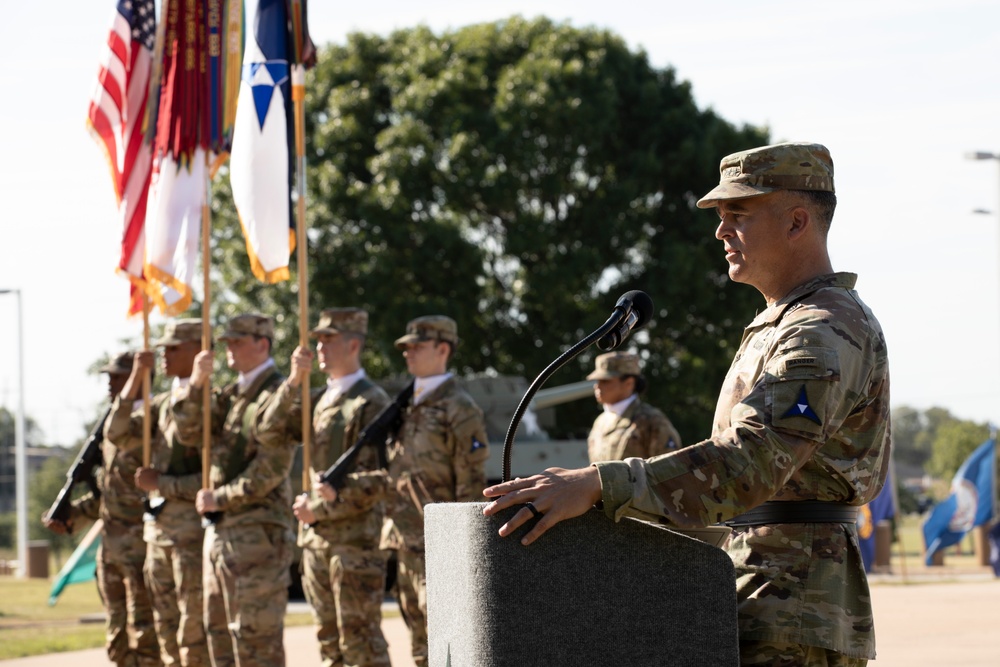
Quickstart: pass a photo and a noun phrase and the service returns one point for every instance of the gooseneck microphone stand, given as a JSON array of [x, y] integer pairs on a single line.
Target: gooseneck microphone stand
[[617, 316]]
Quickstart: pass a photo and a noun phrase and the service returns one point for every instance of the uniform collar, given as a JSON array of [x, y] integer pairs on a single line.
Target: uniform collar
[[244, 380], [621, 406], [423, 387], [336, 387], [776, 311]]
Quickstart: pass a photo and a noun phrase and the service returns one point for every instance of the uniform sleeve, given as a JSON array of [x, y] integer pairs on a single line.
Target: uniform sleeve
[[795, 405], [124, 426], [180, 487], [471, 449], [187, 415], [268, 468], [285, 411], [87, 506]]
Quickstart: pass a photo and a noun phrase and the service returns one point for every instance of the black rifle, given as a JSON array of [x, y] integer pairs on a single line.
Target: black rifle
[[82, 470], [376, 433]]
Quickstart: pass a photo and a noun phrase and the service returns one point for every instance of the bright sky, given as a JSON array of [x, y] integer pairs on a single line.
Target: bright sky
[[899, 90]]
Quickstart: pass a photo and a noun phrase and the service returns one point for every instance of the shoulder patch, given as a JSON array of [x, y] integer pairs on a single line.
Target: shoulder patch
[[801, 408], [476, 445]]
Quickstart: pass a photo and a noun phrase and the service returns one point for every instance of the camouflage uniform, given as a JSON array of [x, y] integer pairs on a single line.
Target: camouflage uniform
[[343, 569], [439, 455], [173, 569], [248, 552], [803, 415], [131, 638], [641, 430]]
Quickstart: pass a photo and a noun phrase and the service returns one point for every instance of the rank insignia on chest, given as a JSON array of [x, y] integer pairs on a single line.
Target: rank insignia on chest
[[476, 445], [801, 408]]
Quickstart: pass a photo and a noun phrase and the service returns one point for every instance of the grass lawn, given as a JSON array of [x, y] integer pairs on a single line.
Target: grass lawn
[[29, 626]]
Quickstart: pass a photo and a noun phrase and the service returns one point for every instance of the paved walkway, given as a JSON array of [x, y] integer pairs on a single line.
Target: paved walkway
[[917, 624]]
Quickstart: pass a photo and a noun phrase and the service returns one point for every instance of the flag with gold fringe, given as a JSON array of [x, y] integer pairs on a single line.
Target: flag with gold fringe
[[261, 162]]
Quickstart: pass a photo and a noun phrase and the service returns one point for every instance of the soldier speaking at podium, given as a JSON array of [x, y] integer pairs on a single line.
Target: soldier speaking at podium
[[801, 432]]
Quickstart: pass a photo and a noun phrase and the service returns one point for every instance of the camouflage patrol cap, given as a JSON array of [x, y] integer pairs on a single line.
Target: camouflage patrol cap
[[429, 327], [758, 171], [180, 331], [342, 320], [120, 364], [252, 324], [615, 365]]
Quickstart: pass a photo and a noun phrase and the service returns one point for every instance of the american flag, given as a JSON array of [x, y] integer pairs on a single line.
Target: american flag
[[117, 117]]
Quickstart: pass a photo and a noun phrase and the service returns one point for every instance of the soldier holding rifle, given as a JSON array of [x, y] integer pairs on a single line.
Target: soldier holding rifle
[[439, 455], [343, 569], [131, 640]]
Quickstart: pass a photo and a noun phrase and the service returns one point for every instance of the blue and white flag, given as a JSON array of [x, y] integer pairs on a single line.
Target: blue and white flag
[[260, 161], [877, 510], [969, 505]]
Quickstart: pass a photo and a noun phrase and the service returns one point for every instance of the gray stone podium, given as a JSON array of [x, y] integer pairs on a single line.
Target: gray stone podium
[[589, 592]]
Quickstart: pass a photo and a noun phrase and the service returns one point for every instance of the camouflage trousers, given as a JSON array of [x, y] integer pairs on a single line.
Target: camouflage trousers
[[779, 654], [174, 578], [131, 638], [411, 584], [345, 586], [246, 593]]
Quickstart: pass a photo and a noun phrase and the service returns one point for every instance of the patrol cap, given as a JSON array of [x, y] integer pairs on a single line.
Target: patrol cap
[[429, 327], [253, 324], [180, 331], [342, 320], [120, 364], [759, 171], [614, 365]]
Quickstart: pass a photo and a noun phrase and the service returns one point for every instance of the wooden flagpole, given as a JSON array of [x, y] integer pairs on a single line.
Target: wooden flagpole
[[146, 381], [206, 328], [298, 98]]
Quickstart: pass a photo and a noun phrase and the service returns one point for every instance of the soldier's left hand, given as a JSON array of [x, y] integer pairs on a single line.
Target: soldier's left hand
[[556, 494], [204, 502], [301, 509]]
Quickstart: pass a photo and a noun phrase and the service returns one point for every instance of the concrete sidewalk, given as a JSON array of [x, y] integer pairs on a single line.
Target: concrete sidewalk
[[933, 624]]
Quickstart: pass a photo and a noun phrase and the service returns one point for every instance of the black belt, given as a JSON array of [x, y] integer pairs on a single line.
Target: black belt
[[796, 511]]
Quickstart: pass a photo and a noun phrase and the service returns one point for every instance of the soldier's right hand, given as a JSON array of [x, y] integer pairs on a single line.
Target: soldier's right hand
[[301, 365], [142, 361], [325, 491], [147, 479], [56, 526], [201, 372]]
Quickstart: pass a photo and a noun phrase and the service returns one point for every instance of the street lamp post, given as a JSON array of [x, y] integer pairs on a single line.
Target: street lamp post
[[984, 554], [20, 453]]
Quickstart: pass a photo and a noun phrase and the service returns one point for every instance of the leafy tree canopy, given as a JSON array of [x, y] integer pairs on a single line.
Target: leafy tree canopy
[[517, 176]]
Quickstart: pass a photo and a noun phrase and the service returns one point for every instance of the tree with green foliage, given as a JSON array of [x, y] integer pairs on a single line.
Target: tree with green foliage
[[954, 441], [517, 176]]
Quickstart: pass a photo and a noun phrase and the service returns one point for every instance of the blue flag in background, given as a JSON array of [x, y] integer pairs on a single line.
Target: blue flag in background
[[877, 510], [969, 505]]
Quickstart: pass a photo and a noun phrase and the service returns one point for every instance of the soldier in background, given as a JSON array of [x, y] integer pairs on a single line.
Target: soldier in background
[[172, 527], [627, 427], [131, 638], [248, 547], [801, 434], [439, 455], [343, 569]]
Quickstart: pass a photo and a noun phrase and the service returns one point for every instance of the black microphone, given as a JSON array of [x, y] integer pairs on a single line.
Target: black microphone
[[638, 308]]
